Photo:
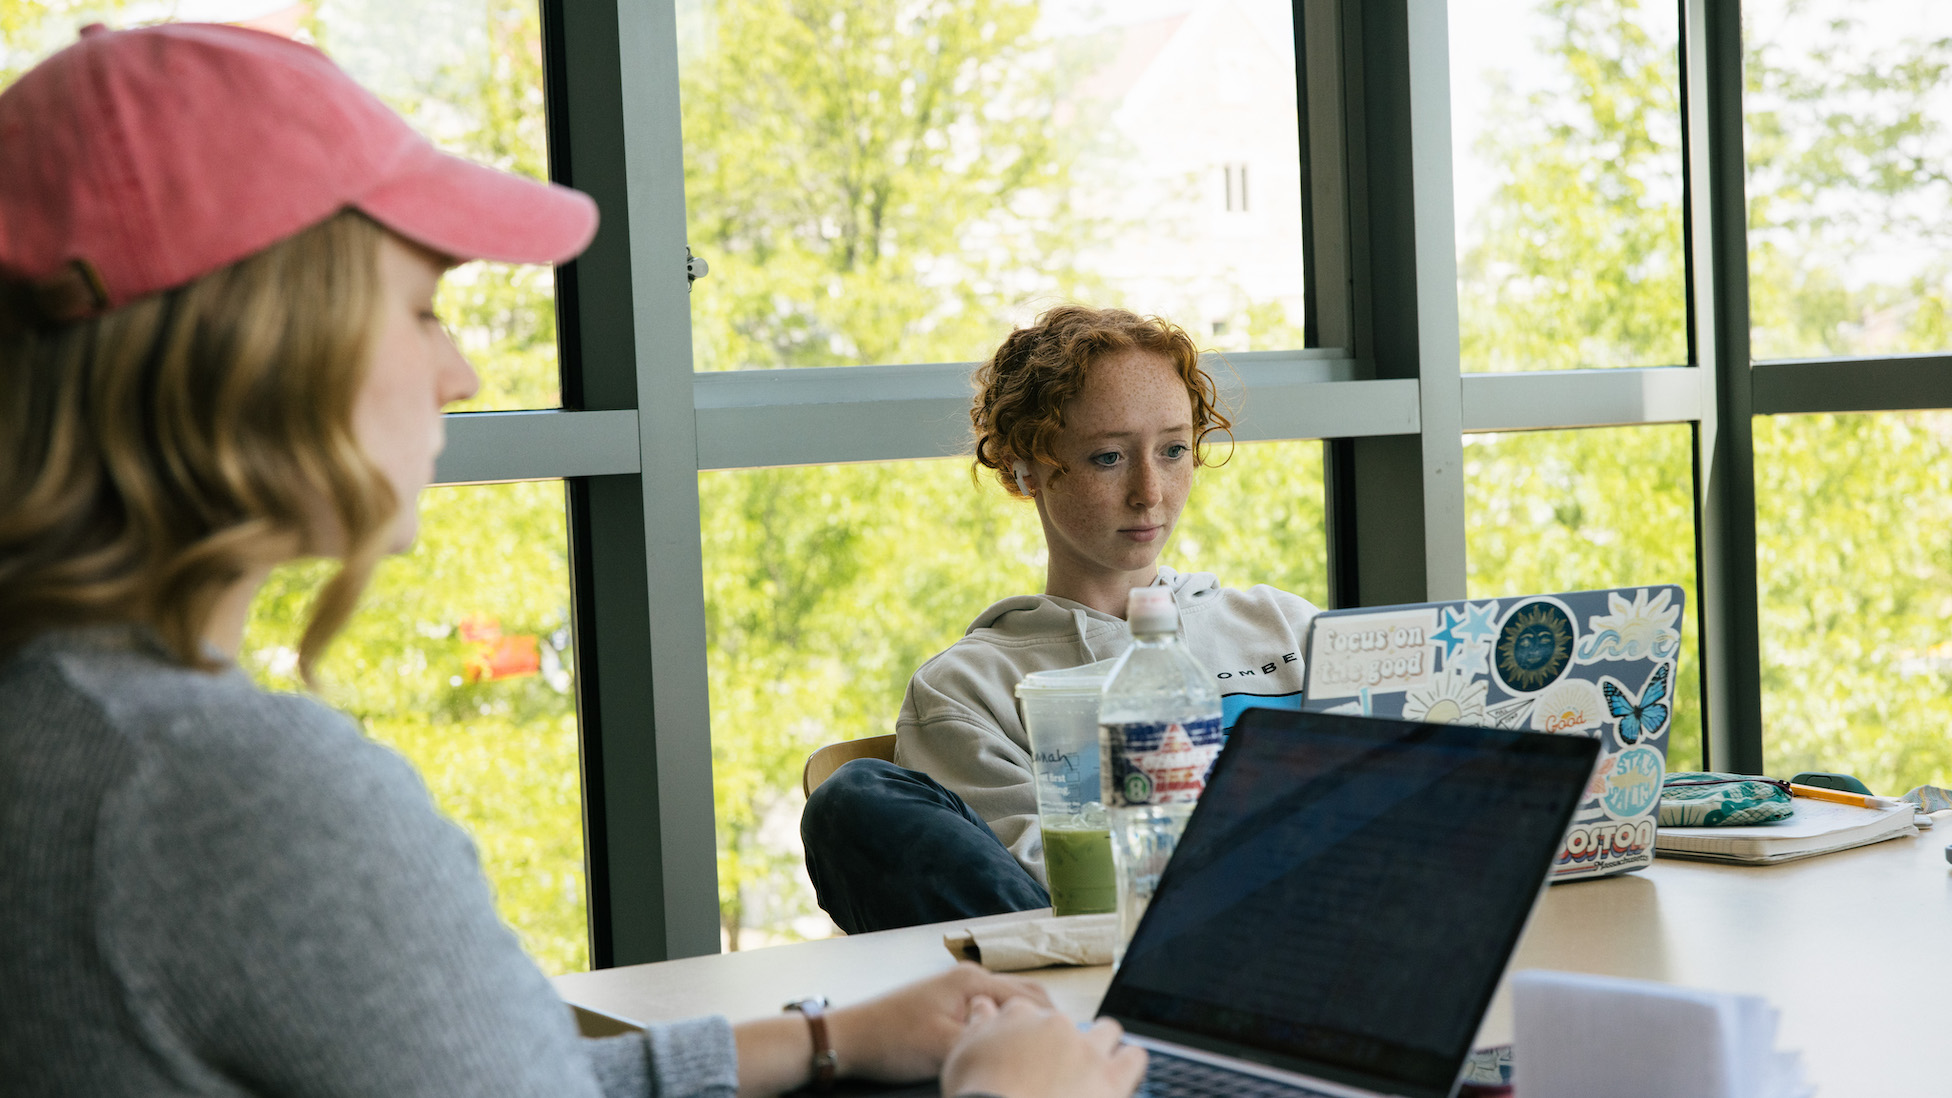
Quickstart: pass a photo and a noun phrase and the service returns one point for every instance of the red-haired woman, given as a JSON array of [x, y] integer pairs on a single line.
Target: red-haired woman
[[1097, 416]]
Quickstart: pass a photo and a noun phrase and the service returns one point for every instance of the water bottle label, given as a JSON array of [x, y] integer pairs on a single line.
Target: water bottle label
[[1159, 762]]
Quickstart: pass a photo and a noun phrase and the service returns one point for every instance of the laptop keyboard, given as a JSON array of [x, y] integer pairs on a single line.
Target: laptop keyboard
[[1169, 1076]]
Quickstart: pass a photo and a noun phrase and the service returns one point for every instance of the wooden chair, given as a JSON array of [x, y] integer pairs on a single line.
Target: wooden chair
[[822, 763]]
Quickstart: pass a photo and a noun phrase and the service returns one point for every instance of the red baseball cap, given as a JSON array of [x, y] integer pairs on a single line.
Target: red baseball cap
[[140, 160]]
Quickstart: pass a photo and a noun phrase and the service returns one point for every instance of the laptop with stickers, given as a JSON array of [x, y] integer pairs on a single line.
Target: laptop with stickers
[[1342, 905], [1597, 663]]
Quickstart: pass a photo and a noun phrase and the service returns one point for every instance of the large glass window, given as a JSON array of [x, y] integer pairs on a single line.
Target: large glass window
[[1854, 567], [891, 183], [1565, 116], [1849, 131], [1577, 510], [460, 659]]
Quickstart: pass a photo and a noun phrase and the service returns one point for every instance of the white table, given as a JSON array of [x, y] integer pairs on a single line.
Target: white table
[[1855, 947]]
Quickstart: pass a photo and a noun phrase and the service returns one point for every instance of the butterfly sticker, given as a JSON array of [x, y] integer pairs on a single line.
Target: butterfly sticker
[[1644, 716]]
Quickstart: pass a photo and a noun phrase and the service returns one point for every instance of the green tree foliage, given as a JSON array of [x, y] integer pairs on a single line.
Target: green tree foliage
[[1852, 510], [33, 29], [1856, 573], [1577, 260], [868, 175], [1848, 157]]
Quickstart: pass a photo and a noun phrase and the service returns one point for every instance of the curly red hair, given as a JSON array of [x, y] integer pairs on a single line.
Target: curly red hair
[[1023, 388]]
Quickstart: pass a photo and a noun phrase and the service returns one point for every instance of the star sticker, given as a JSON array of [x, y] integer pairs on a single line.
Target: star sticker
[[1447, 636], [1476, 625], [1474, 660]]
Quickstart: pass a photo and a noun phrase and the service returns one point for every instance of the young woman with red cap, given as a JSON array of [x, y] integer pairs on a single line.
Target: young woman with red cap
[[218, 352]]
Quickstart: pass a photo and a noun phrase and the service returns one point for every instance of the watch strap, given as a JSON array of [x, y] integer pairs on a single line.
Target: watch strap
[[826, 1062]]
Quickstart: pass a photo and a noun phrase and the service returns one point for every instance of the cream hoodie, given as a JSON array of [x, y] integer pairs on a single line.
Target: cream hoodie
[[960, 723]]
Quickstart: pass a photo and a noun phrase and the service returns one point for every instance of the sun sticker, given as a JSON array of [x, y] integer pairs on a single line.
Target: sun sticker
[[1534, 646], [1637, 630], [1447, 699]]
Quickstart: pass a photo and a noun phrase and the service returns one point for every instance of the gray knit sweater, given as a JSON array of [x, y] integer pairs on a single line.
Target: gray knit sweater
[[210, 890]]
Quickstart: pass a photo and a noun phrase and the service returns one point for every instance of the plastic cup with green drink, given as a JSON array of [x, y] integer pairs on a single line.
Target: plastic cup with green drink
[[1060, 710]]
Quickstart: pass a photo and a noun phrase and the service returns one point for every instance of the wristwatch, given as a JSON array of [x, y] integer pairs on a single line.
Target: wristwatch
[[826, 1062]]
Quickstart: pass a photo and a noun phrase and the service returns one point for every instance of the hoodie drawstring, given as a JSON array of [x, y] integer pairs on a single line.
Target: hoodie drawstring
[[1081, 622]]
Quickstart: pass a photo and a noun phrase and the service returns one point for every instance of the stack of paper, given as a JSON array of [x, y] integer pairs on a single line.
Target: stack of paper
[[1579, 1036]]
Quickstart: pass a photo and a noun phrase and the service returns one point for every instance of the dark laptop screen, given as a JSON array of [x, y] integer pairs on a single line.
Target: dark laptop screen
[[1348, 892]]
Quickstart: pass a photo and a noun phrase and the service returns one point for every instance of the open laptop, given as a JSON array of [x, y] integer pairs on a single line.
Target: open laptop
[[1595, 663], [1342, 905]]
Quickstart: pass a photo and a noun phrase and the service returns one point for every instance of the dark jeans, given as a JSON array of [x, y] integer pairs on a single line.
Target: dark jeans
[[889, 847]]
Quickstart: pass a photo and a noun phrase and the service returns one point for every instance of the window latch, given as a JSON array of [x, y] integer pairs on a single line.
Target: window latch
[[695, 268]]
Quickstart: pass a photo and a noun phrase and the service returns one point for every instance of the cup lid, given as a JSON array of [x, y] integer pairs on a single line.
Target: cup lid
[[1088, 679]]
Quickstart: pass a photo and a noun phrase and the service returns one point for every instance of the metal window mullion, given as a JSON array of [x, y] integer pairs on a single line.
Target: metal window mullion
[[754, 419], [484, 447], [1324, 172], [1550, 400], [638, 606], [680, 735], [1897, 383], [1397, 503], [1725, 522]]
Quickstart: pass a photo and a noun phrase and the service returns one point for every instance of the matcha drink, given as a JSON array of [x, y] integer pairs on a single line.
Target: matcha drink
[[1079, 864]]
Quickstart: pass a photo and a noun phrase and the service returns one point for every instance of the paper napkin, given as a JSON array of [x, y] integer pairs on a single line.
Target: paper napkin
[[1037, 943]]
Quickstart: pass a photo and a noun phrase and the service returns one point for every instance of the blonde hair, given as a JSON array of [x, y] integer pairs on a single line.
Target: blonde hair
[[152, 456]]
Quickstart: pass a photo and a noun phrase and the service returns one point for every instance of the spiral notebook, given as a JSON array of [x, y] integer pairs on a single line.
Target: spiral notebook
[[1817, 827]]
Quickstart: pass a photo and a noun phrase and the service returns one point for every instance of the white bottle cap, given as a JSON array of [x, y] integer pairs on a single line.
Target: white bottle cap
[[1151, 610]]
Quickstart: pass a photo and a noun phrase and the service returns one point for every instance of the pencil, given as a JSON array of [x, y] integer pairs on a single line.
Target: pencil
[[1838, 796]]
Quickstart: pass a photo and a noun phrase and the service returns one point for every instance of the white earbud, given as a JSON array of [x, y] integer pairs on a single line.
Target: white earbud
[[1023, 477]]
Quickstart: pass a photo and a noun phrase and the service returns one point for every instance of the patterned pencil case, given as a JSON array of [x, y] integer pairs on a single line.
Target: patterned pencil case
[[1694, 798]]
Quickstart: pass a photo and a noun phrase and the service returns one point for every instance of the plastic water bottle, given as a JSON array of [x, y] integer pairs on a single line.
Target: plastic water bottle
[[1158, 734]]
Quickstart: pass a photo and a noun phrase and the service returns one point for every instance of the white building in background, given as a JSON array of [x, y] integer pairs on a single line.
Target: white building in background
[[1206, 174]]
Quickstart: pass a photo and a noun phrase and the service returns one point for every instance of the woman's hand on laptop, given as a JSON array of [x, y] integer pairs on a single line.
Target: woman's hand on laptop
[[905, 1035], [1023, 1050]]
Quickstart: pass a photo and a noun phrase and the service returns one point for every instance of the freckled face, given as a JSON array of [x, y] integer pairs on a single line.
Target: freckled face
[[416, 371], [1128, 441]]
